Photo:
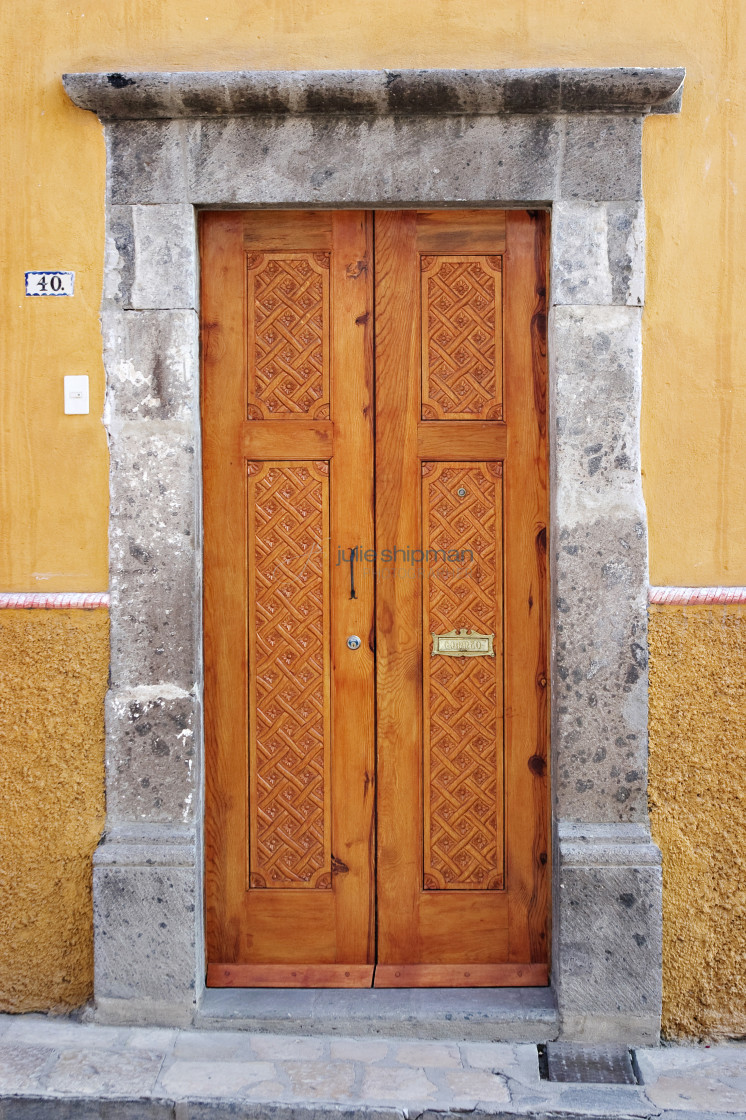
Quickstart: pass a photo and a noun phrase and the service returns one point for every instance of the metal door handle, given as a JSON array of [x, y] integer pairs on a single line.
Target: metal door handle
[[353, 593]]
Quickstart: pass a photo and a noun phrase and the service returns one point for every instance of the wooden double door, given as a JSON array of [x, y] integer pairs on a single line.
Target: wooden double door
[[375, 612]]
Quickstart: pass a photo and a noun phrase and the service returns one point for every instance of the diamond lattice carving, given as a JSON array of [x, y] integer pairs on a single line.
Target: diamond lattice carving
[[463, 695], [289, 674], [288, 335], [461, 338]]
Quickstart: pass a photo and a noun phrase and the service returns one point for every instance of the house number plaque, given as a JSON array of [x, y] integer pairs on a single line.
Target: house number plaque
[[463, 643]]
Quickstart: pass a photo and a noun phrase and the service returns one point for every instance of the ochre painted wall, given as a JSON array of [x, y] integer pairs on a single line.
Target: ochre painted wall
[[698, 811], [52, 480], [53, 671], [53, 487]]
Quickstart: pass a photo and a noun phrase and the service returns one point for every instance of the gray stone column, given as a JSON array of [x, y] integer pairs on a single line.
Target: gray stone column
[[147, 894], [607, 889]]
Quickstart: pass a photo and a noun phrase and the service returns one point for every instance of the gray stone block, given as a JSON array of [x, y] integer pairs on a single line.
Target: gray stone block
[[602, 158], [596, 375], [153, 551], [119, 256], [608, 937], [599, 567], [152, 364], [597, 253], [626, 248], [144, 930], [82, 1108], [145, 163], [346, 161], [165, 258], [599, 679], [150, 760]]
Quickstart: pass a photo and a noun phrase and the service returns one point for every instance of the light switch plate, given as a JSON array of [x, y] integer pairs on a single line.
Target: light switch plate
[[76, 395]]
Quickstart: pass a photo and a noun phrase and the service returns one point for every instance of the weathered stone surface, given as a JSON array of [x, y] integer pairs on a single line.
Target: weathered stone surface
[[596, 376], [151, 257], [150, 758], [690, 1093], [144, 919], [220, 1046], [359, 1049], [597, 253], [599, 568], [153, 546], [428, 1054], [319, 1081], [165, 258], [526, 1015], [213, 1079], [293, 1048], [144, 162], [607, 936], [383, 1084], [471, 1086], [626, 249], [21, 1066], [341, 161], [185, 94], [602, 158], [63, 1034], [99, 1072], [119, 256], [599, 714], [519, 1063], [152, 364], [82, 1108]]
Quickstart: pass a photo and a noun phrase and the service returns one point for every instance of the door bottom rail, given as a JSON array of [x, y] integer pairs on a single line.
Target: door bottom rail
[[377, 976]]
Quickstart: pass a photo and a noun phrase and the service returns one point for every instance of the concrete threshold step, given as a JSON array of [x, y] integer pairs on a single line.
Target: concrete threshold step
[[469, 1014]]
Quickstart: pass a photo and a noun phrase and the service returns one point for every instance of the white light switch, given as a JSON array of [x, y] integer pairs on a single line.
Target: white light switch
[[76, 395]]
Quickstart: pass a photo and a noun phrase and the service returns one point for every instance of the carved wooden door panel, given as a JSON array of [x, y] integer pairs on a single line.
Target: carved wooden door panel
[[289, 709], [461, 501], [446, 883]]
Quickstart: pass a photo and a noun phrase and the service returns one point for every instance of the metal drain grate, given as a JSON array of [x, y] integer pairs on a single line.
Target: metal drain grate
[[587, 1065]]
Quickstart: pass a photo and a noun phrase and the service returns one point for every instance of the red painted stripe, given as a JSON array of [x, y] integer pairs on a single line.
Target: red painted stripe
[[54, 600], [691, 596]]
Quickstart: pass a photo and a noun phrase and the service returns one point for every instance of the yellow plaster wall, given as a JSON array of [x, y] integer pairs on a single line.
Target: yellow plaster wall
[[698, 813], [53, 670], [53, 489], [53, 474]]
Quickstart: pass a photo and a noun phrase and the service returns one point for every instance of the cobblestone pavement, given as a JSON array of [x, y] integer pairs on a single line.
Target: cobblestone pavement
[[54, 1067]]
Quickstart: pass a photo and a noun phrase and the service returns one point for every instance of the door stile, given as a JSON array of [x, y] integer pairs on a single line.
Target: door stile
[[399, 633], [353, 671], [527, 576]]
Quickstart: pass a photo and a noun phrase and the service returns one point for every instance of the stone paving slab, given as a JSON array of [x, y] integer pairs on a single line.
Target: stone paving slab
[[67, 1070]]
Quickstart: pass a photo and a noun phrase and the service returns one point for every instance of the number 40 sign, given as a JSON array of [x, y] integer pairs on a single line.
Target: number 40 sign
[[50, 283]]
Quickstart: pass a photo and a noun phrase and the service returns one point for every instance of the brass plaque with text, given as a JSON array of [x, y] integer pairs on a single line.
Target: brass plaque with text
[[463, 643]]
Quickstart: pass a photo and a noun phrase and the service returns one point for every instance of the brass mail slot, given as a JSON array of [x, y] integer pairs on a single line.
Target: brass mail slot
[[463, 643]]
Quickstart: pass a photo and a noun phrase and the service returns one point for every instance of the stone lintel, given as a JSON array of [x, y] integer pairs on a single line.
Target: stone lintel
[[435, 92]]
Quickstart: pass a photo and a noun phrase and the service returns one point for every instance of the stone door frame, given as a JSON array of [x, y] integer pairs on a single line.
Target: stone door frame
[[567, 140]]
